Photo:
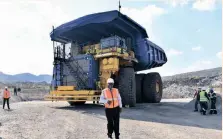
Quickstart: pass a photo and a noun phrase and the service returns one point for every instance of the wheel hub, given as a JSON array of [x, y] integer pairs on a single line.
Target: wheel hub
[[157, 87]]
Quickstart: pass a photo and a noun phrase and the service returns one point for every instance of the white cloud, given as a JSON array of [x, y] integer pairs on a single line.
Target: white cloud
[[219, 55], [176, 3], [27, 24], [25, 28], [198, 30], [198, 48], [173, 52], [198, 65], [145, 17], [204, 5], [173, 3]]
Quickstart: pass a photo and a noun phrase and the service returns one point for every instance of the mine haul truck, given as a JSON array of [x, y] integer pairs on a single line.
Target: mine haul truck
[[93, 48]]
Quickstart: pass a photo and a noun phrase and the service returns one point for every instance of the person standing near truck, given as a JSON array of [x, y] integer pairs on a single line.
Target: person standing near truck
[[203, 99], [19, 90], [15, 91], [213, 99], [6, 97], [196, 100], [111, 99]]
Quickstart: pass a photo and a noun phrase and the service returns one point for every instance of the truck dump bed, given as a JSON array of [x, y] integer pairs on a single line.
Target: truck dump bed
[[92, 28]]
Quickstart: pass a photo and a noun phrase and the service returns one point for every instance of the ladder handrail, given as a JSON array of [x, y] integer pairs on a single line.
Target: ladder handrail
[[78, 72]]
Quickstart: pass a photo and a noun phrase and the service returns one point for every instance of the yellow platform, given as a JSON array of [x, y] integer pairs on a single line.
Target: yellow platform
[[65, 95]]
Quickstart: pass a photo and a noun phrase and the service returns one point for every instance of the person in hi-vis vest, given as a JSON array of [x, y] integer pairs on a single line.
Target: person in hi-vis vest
[[6, 97], [203, 99], [111, 99]]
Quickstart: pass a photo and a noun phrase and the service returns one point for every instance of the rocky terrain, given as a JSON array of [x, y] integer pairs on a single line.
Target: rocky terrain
[[184, 85]]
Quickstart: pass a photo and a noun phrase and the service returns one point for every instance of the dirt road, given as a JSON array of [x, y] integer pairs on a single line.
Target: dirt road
[[57, 120]]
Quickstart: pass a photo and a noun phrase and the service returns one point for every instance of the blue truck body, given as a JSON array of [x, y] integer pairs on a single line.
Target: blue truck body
[[93, 27], [90, 67]]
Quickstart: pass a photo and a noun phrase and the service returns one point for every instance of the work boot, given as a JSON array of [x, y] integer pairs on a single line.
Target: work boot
[[215, 112], [110, 136], [195, 110]]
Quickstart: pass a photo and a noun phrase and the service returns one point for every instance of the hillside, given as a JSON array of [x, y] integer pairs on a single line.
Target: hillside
[[202, 73], [184, 85], [24, 77]]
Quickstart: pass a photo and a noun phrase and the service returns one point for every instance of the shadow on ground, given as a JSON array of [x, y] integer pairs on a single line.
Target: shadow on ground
[[165, 112]]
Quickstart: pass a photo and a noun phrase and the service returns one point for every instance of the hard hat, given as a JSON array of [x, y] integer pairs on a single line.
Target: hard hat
[[6, 87], [110, 80], [203, 88]]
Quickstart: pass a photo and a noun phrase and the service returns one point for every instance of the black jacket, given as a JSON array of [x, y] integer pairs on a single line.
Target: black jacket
[[213, 97]]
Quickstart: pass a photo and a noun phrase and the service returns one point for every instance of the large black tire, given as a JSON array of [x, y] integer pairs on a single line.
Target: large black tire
[[76, 103], [139, 82], [152, 88], [127, 86]]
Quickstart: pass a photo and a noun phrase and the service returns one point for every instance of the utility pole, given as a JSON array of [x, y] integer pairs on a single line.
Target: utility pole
[[119, 6]]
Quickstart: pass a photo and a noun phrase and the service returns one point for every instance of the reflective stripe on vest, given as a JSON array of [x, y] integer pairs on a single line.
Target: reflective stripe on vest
[[203, 98], [112, 96], [6, 94]]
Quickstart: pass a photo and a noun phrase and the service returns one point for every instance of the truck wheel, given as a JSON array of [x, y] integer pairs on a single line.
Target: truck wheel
[[76, 103], [152, 88], [127, 86], [139, 81]]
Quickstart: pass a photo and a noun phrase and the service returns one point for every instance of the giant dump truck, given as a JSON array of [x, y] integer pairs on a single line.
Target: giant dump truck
[[93, 48]]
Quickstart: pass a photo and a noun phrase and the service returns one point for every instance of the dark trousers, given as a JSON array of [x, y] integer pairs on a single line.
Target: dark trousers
[[213, 107], [4, 100], [204, 107], [196, 104], [113, 115]]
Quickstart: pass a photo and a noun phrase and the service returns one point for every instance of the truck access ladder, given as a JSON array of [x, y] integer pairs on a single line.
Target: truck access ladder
[[77, 73]]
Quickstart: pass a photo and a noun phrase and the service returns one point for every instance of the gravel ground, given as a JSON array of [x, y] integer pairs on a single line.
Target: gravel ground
[[57, 120]]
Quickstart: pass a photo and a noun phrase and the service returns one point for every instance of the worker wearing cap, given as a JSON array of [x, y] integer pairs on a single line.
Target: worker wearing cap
[[6, 97], [111, 99], [212, 96], [196, 100], [203, 99]]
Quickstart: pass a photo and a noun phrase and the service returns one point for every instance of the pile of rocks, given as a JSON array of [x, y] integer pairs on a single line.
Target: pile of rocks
[[185, 85]]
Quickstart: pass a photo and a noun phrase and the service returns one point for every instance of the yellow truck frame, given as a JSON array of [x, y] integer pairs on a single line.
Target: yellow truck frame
[[109, 61]]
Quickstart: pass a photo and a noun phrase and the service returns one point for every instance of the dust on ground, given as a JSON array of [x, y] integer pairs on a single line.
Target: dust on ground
[[170, 119]]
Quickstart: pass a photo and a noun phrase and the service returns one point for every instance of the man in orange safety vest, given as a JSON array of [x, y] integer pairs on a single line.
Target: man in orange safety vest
[[6, 97], [111, 99]]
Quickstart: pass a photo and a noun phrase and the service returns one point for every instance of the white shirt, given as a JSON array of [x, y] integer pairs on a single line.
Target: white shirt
[[104, 100]]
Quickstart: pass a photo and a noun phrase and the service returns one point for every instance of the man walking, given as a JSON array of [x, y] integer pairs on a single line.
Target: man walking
[[6, 97], [203, 99], [213, 99], [111, 99], [196, 100]]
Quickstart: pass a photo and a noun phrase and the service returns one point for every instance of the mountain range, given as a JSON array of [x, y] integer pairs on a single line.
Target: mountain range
[[24, 77]]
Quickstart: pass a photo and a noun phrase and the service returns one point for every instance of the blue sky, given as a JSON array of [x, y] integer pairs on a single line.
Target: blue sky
[[188, 31]]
